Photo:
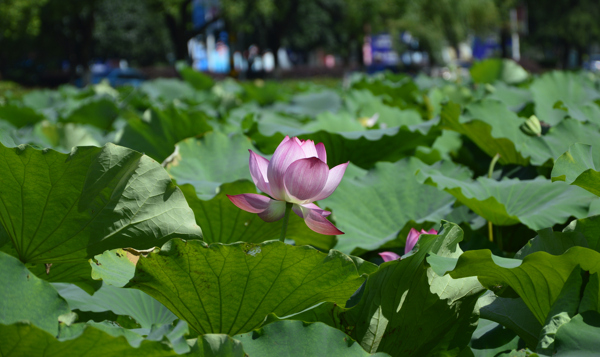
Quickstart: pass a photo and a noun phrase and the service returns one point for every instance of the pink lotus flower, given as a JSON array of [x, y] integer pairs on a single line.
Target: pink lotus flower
[[411, 240], [297, 173]]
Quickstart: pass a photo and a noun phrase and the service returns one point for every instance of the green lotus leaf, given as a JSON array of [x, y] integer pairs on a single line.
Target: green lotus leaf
[[19, 116], [574, 98], [577, 167], [590, 228], [579, 336], [27, 340], [198, 80], [491, 126], [157, 131], [137, 304], [209, 162], [512, 201], [492, 339], [25, 297], [218, 345], [309, 339], [372, 209], [308, 104], [78, 273], [515, 98], [232, 288], [363, 103], [99, 111], [513, 314], [538, 280], [69, 207], [406, 308], [168, 89], [362, 148], [115, 267], [222, 222], [492, 70]]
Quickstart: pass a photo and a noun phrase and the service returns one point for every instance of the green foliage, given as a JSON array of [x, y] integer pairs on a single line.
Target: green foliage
[[81, 219], [67, 208], [201, 283]]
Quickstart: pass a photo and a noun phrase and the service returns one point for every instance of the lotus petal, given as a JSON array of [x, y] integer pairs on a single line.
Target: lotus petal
[[286, 153], [315, 219], [305, 178], [389, 256], [250, 202], [274, 212], [411, 240], [258, 171], [321, 153], [333, 180]]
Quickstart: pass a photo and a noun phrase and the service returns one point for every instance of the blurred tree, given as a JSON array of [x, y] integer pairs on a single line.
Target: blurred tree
[[67, 31], [177, 16], [19, 24], [564, 25], [130, 30], [440, 22]]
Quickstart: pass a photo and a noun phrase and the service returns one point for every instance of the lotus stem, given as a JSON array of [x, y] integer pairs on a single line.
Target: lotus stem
[[286, 217], [490, 173]]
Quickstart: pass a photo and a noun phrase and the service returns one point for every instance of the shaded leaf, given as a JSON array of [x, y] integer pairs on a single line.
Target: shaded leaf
[[25, 297], [296, 337], [577, 167], [232, 288], [27, 340], [69, 207]]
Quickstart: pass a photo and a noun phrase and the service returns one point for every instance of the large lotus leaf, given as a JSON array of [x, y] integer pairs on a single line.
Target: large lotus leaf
[[25, 297], [372, 209], [562, 310], [362, 148], [78, 273], [537, 203], [579, 337], [232, 288], [515, 98], [223, 222], [26, 340], [363, 103], [302, 339], [487, 71], [19, 116], [492, 339], [168, 89], [115, 267], [491, 126], [406, 308], [137, 304], [513, 314], [99, 111], [577, 167], [209, 162], [491, 70], [555, 243], [538, 280], [311, 103], [569, 89], [64, 136], [218, 345], [340, 121], [559, 138], [68, 207], [157, 131], [590, 228], [198, 80], [402, 93]]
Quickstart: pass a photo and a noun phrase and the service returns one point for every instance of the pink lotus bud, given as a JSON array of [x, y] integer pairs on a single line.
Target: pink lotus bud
[[297, 173], [413, 237]]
